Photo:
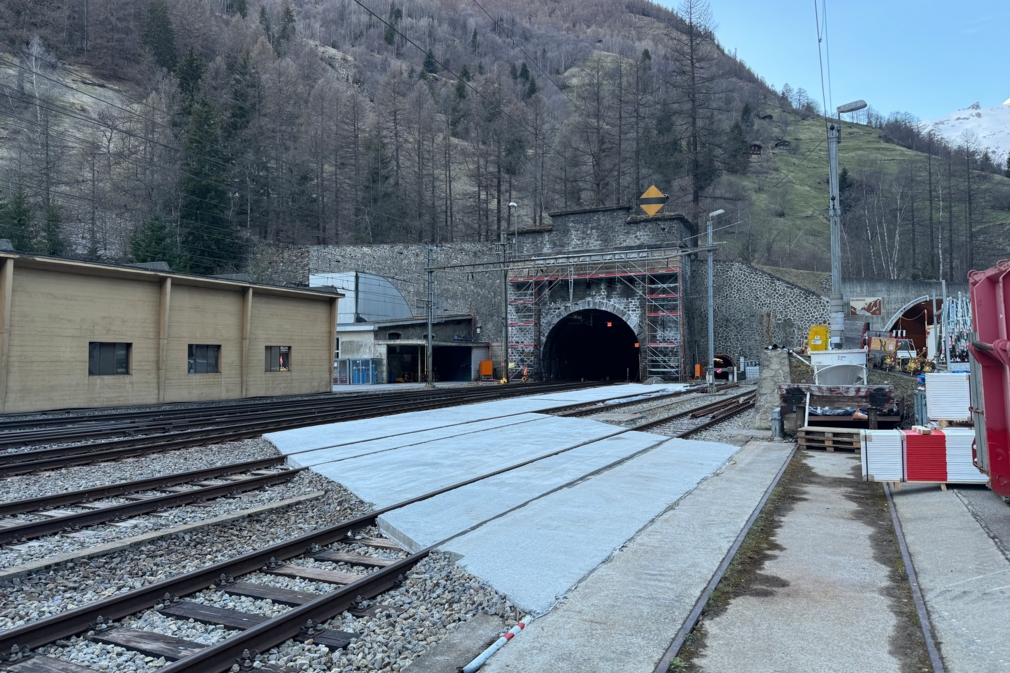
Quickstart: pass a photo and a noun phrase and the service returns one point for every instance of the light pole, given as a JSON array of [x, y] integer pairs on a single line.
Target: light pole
[[836, 303], [710, 370]]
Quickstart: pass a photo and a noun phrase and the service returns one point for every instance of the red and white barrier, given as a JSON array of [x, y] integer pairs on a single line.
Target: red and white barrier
[[943, 456], [496, 645]]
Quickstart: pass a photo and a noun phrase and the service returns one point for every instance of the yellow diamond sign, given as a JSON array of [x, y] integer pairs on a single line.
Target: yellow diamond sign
[[652, 200]]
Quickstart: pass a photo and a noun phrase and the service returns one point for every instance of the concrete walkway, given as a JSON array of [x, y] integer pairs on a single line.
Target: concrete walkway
[[821, 603], [622, 617], [963, 573]]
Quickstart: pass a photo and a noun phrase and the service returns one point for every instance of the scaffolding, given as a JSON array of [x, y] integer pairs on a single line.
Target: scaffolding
[[654, 276]]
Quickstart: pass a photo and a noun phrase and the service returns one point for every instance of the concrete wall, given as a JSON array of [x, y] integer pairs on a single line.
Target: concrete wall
[[895, 295], [55, 309]]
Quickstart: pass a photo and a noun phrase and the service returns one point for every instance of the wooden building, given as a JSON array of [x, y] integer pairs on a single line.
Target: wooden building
[[76, 334]]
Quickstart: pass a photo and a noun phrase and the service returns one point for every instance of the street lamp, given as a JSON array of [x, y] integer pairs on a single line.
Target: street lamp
[[710, 370], [837, 308]]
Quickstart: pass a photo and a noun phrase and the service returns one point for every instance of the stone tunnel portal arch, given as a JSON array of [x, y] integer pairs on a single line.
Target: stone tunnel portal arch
[[591, 344]]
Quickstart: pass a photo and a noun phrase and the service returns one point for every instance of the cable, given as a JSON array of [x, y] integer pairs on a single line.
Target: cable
[[827, 51], [820, 60]]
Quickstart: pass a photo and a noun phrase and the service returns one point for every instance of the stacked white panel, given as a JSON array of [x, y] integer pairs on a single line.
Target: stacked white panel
[[959, 465], [948, 397], [881, 455]]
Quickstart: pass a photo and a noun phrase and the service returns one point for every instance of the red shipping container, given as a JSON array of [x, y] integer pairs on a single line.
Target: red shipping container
[[925, 457], [990, 312]]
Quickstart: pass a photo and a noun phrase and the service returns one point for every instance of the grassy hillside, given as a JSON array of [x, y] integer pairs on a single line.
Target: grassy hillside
[[785, 219]]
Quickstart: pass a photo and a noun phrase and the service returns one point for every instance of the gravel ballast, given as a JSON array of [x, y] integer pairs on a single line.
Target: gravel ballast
[[72, 585], [301, 483], [130, 469]]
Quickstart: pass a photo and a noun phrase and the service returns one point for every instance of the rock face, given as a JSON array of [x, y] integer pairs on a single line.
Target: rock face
[[774, 371]]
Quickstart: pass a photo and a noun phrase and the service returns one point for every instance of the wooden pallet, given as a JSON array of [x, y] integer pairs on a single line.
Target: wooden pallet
[[828, 439]]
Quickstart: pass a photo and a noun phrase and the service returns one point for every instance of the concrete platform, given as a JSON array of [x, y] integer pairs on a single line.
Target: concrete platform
[[391, 476], [439, 518], [963, 573], [537, 553], [622, 617], [822, 603], [334, 434]]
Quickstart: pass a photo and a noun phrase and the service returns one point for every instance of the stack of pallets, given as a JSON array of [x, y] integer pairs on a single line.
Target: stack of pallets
[[828, 439]]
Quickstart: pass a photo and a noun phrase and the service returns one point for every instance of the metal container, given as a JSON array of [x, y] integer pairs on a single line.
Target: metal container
[[778, 430]]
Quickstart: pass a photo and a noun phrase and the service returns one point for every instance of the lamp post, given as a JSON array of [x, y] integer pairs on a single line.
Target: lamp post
[[710, 370], [836, 304]]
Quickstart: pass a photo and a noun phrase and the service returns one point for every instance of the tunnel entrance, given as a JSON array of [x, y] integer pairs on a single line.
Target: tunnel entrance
[[593, 345]]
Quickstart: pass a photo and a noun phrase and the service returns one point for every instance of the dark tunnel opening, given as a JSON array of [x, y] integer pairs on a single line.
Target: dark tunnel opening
[[593, 345]]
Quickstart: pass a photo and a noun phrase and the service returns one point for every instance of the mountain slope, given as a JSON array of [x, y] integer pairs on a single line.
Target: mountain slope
[[990, 128]]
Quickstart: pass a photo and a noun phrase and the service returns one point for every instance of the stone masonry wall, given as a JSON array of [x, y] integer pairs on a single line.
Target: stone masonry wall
[[752, 309]]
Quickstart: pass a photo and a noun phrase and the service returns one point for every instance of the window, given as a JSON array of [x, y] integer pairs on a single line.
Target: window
[[336, 350], [108, 359], [278, 359], [393, 336], [204, 359]]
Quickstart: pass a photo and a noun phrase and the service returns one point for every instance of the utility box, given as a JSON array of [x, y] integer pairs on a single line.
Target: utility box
[[817, 338]]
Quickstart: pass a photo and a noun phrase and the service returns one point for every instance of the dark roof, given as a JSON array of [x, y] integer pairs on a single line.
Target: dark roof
[[588, 210]]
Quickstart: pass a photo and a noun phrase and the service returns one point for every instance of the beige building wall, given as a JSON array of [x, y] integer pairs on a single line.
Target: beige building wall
[[50, 310], [53, 318], [202, 316], [303, 325]]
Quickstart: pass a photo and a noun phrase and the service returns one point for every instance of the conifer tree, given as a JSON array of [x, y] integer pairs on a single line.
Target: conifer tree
[[209, 241], [287, 31], [737, 150], [464, 73], [241, 8], [189, 73], [531, 88], [430, 64], [156, 241], [51, 241], [158, 36], [16, 223], [524, 72]]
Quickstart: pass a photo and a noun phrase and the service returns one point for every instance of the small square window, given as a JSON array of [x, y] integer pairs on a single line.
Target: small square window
[[204, 359], [278, 358], [108, 359]]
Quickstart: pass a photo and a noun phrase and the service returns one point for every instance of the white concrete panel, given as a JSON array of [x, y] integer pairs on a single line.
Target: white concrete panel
[[333, 434], [339, 452], [537, 553], [394, 476], [430, 521]]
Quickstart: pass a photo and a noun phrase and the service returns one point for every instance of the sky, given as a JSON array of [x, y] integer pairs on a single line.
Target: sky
[[926, 57]]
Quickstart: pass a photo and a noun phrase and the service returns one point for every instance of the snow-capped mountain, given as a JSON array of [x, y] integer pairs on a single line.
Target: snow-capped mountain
[[990, 126]]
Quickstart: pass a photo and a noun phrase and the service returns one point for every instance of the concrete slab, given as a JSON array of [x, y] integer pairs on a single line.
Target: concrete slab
[[430, 521], [623, 616], [393, 476], [331, 434], [350, 449], [461, 646], [828, 610], [964, 577], [537, 553]]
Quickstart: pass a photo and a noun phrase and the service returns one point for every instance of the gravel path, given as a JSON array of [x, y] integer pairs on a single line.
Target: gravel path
[[130, 469]]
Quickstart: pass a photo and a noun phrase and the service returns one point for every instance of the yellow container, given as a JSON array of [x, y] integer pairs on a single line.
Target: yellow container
[[817, 338]]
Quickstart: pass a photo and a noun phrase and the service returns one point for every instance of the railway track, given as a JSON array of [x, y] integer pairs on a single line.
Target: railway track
[[157, 438], [141, 497], [355, 567], [96, 424]]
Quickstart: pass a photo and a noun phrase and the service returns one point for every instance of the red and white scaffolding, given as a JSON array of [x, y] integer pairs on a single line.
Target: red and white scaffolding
[[653, 274]]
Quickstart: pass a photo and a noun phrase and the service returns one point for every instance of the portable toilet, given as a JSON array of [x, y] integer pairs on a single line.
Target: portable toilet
[[817, 338]]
